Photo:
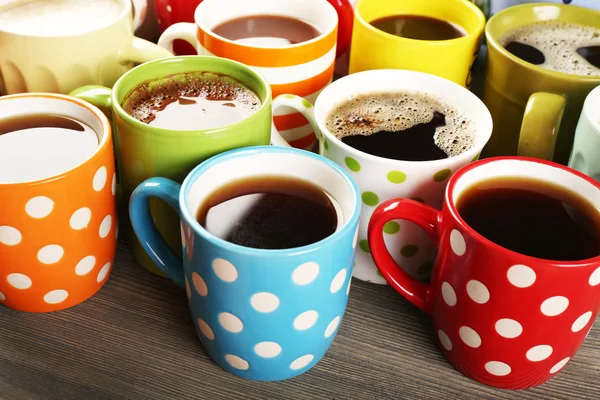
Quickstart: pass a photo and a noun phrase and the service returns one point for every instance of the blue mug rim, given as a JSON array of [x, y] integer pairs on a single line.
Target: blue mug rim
[[199, 170]]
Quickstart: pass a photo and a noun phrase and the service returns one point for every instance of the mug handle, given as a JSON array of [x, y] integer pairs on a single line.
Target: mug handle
[[142, 51], [301, 105], [180, 31], [541, 122], [423, 215], [100, 96], [145, 229], [139, 9]]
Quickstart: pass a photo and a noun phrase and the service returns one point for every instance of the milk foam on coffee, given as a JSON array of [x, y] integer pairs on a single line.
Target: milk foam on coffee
[[368, 114], [559, 42], [57, 17]]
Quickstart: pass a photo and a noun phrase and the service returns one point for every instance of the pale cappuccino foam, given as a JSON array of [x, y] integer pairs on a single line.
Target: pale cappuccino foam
[[368, 114], [559, 42], [57, 17]]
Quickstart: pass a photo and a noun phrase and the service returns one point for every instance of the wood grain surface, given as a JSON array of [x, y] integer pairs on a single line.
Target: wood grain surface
[[135, 340]]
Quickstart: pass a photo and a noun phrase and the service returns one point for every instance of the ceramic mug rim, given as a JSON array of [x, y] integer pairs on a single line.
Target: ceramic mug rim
[[253, 151], [450, 203], [592, 103]]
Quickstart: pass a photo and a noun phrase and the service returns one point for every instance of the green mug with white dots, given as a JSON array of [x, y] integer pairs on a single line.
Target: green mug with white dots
[[380, 179]]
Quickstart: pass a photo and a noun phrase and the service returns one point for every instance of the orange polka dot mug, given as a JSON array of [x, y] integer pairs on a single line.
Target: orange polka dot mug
[[501, 317], [379, 178], [58, 222]]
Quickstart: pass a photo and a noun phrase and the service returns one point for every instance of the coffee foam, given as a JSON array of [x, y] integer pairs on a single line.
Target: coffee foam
[[559, 41], [375, 112]]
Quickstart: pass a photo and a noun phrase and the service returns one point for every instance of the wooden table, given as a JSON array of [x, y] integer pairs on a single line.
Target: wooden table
[[135, 340]]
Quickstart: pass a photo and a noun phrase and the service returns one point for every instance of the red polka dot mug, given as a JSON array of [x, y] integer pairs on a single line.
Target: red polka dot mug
[[502, 318]]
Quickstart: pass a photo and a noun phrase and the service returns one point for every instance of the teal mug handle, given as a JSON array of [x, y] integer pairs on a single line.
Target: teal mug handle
[[301, 105], [143, 225]]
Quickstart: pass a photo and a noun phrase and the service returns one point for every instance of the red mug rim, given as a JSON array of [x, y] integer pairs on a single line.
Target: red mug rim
[[448, 202]]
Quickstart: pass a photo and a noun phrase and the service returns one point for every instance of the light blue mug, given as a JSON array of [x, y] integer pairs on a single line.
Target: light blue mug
[[586, 146], [260, 314]]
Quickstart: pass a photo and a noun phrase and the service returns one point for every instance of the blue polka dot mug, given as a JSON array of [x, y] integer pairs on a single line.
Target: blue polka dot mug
[[260, 314]]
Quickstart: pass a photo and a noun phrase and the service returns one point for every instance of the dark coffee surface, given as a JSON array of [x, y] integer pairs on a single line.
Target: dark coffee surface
[[418, 27], [534, 218], [526, 52], [191, 101], [270, 212], [267, 27]]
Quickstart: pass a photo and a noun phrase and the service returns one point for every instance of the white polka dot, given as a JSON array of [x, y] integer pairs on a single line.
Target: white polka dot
[[99, 179], [205, 329], [539, 353], [478, 292], [348, 286], [306, 320], [80, 218], [188, 291], [50, 254], [10, 236], [581, 322], [114, 184], [521, 276], [2, 296], [237, 362], [444, 340], [559, 365], [305, 273], [105, 226], [84, 266], [225, 270], [554, 306], [332, 326], [19, 281], [267, 349], [230, 322], [301, 362], [103, 272], [595, 277], [497, 368], [469, 336], [338, 281], [448, 294], [264, 302], [355, 240], [457, 242], [56, 296], [39, 207], [199, 284], [508, 328]]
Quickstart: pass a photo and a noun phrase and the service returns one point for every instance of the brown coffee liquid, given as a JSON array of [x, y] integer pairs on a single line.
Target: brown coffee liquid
[[269, 212], [191, 101], [418, 27], [267, 29], [534, 218]]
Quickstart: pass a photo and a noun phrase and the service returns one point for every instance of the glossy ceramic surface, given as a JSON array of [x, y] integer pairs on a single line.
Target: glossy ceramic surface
[[584, 156]]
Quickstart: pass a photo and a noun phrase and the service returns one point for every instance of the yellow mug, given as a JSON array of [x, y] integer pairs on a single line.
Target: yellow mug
[[451, 59]]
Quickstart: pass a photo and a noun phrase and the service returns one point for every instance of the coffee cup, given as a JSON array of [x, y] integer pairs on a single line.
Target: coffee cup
[[57, 244], [452, 59], [535, 109], [584, 156], [144, 151], [261, 314], [501, 317], [69, 44], [499, 5], [303, 68], [380, 178]]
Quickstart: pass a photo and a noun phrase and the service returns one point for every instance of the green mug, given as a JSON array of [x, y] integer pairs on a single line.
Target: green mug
[[535, 110], [144, 151], [586, 146]]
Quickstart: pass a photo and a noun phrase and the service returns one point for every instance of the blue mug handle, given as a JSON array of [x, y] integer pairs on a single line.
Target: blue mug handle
[[143, 224]]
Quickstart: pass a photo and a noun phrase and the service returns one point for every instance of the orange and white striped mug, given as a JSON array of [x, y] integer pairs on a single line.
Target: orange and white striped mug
[[58, 222], [303, 69]]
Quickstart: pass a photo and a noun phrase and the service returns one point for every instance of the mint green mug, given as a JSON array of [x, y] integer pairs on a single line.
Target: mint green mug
[[584, 156], [144, 151]]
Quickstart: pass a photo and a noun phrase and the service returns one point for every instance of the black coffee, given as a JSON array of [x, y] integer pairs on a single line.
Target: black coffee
[[534, 218], [267, 30], [418, 27], [191, 101], [269, 212], [558, 46], [402, 126]]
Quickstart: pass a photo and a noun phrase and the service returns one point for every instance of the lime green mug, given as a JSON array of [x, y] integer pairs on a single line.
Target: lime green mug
[[144, 151], [535, 110]]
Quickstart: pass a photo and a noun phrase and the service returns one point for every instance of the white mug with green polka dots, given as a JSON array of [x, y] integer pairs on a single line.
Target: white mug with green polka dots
[[380, 179]]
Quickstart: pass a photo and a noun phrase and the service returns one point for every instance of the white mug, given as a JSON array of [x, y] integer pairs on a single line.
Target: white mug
[[584, 156]]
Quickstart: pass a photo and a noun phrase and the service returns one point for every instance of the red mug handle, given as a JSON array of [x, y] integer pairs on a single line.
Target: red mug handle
[[427, 218], [345, 13]]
